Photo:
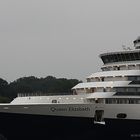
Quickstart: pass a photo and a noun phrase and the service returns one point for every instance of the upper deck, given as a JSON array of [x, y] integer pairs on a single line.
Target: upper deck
[[122, 56], [127, 55]]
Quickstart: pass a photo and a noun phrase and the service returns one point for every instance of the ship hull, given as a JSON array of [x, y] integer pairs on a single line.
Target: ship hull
[[29, 126]]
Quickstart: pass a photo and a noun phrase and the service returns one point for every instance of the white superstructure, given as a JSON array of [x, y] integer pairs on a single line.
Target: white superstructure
[[112, 93]]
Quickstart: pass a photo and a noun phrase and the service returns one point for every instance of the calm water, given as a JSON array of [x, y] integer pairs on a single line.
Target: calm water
[[95, 134]]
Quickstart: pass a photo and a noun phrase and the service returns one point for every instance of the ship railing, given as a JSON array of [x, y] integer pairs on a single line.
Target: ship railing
[[32, 94], [41, 94]]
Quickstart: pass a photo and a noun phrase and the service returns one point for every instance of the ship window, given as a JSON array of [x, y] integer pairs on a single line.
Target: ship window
[[106, 59], [127, 93], [102, 78], [121, 115], [138, 78], [54, 101], [88, 80], [131, 101], [106, 69], [115, 58], [104, 89], [127, 56], [137, 56], [103, 69], [138, 89], [132, 56], [121, 57], [113, 101], [111, 58], [118, 68], [132, 78], [91, 100], [131, 89], [122, 101], [120, 89], [125, 90]]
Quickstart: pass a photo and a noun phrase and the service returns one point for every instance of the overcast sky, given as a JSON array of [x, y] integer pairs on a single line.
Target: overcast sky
[[63, 38]]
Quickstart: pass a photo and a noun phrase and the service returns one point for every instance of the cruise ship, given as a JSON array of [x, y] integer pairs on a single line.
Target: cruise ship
[[110, 98]]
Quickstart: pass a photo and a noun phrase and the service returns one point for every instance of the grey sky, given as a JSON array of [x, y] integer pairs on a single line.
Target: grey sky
[[63, 38]]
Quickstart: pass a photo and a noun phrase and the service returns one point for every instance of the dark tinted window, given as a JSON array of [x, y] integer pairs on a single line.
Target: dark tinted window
[[121, 57], [121, 115]]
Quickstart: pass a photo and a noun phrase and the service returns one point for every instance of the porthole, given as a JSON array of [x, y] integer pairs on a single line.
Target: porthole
[[54, 101], [121, 115]]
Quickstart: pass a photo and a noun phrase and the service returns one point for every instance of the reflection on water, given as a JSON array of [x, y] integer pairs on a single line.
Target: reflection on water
[[32, 127], [93, 134], [2, 137]]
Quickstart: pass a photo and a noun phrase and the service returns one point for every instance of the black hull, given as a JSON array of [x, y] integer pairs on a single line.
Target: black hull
[[22, 126], [27, 127]]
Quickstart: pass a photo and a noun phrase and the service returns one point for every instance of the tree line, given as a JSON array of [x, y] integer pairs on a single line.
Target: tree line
[[49, 85]]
